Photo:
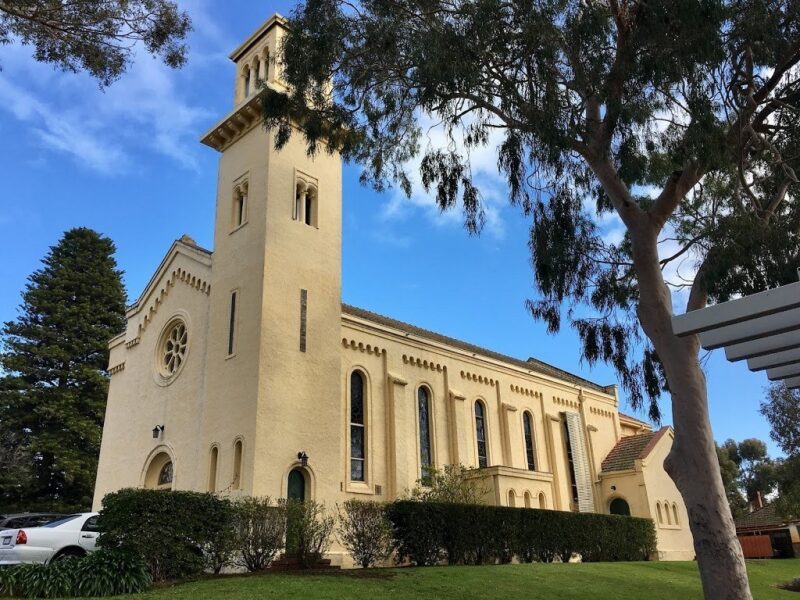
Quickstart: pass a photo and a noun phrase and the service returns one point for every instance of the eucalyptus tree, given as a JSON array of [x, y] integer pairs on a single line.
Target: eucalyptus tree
[[677, 117], [97, 36]]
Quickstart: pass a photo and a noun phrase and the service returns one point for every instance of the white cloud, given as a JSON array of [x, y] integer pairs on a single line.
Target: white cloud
[[483, 160], [151, 108]]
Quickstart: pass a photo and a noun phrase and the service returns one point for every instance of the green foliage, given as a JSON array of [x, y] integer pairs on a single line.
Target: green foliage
[[171, 531], [365, 531], [679, 116], [308, 531], [96, 36], [730, 481], [425, 533], [54, 382], [260, 527], [453, 483], [106, 572], [755, 469], [782, 410]]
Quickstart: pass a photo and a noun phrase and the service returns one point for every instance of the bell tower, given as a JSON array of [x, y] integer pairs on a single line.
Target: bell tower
[[275, 301]]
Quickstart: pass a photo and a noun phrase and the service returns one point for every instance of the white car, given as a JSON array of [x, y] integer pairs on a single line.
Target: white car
[[75, 535]]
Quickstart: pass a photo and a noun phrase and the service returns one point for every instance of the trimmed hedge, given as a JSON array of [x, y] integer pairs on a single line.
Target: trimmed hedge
[[174, 532], [426, 533], [102, 573]]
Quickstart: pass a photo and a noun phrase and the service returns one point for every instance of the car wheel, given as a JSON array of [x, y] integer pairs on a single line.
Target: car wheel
[[68, 553]]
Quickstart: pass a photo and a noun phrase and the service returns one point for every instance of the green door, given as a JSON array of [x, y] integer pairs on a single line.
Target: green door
[[297, 485]]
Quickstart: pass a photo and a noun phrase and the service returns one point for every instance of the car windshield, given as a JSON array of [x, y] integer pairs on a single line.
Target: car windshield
[[61, 521]]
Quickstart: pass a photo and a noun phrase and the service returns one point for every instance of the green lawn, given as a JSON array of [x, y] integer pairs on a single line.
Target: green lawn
[[620, 581]]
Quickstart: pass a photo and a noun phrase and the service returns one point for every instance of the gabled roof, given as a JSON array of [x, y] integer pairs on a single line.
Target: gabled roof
[[531, 364], [763, 518], [184, 245], [627, 417], [629, 449]]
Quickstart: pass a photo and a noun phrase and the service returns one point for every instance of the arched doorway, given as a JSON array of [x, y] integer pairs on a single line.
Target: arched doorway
[[619, 506], [296, 489]]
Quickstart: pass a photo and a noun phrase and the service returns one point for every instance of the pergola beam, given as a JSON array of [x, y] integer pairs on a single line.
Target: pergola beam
[[784, 372], [748, 308], [792, 383], [777, 359], [751, 329], [764, 346]]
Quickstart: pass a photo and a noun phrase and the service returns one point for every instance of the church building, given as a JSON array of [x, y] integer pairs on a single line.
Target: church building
[[241, 372]]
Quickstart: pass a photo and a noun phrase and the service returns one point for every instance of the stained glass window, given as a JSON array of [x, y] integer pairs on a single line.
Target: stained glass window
[[357, 428], [527, 423], [423, 402], [165, 476], [480, 435]]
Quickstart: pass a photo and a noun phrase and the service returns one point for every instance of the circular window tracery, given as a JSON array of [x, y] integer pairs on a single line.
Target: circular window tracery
[[172, 349]]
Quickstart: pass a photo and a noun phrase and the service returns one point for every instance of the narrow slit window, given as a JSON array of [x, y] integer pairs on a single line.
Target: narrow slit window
[[299, 201], [303, 318], [239, 205], [232, 324], [358, 431]]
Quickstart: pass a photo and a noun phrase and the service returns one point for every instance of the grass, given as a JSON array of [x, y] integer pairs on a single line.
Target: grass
[[618, 581]]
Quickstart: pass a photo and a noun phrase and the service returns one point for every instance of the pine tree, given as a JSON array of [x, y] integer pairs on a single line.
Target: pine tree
[[55, 355]]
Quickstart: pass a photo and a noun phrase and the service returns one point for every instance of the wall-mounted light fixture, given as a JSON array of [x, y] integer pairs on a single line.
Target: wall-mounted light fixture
[[303, 458], [157, 431], [613, 488]]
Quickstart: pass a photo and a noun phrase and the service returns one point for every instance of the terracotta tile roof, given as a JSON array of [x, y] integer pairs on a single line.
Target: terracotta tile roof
[[531, 364], [623, 456], [766, 518]]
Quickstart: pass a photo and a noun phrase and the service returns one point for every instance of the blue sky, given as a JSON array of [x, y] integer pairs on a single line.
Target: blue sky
[[126, 161]]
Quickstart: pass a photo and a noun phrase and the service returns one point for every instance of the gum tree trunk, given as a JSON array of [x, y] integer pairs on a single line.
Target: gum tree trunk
[[692, 463]]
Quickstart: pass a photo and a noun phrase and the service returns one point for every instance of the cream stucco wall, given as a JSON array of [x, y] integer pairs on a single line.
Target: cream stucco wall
[[277, 399]]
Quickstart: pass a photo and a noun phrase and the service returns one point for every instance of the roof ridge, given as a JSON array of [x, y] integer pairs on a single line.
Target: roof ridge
[[530, 365]]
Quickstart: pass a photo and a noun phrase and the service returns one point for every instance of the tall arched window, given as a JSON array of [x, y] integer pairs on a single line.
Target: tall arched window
[[668, 515], [237, 465], [256, 71], [299, 200], [660, 514], [480, 434], [512, 498], [424, 411], [247, 82], [675, 513], [542, 500], [212, 469], [528, 501], [527, 425], [358, 433]]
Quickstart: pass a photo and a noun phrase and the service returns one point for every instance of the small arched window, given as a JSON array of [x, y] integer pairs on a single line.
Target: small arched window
[[675, 513], [659, 513], [237, 465], [357, 427], [668, 515], [512, 498], [256, 71], [299, 200], [480, 434], [247, 82], [311, 206], [527, 425], [165, 476], [528, 500], [212, 470], [239, 213], [423, 409], [542, 500]]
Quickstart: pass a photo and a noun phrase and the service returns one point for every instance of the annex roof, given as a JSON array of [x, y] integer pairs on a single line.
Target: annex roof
[[530, 364], [629, 449]]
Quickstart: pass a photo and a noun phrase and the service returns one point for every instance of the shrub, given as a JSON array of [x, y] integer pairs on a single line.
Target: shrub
[[365, 531], [308, 531], [102, 573], [260, 528], [453, 483], [470, 534], [169, 530]]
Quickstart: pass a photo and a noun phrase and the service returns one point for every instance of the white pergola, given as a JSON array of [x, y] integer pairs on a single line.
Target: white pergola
[[763, 329]]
